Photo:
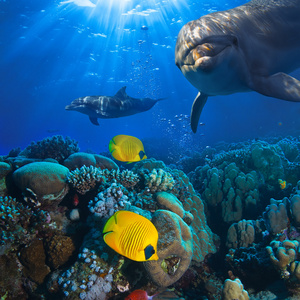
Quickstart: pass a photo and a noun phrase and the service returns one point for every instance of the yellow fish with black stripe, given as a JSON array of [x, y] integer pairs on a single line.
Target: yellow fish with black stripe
[[131, 235], [126, 148]]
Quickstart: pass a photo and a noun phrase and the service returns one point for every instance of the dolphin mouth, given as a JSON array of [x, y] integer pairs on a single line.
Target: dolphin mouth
[[200, 56], [201, 53]]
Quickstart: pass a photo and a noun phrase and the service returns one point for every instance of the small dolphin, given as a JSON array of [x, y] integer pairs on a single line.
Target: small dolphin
[[106, 107], [247, 48]]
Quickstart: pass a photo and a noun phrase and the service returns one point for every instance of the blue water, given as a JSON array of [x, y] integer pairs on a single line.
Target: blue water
[[52, 52]]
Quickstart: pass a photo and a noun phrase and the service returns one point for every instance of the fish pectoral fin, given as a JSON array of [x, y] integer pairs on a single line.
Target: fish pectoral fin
[[197, 107], [94, 120], [279, 85]]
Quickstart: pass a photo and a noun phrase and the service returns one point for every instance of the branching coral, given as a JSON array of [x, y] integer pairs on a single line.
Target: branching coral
[[107, 202], [229, 190], [241, 234], [89, 278], [18, 224], [267, 159], [126, 178], [276, 217], [234, 289], [56, 147], [282, 254], [159, 180], [85, 178]]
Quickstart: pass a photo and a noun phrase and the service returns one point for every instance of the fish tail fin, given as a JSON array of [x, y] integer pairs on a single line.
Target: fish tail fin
[[112, 146]]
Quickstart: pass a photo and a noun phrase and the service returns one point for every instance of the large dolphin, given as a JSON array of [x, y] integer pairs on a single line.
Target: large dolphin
[[247, 48], [106, 107]]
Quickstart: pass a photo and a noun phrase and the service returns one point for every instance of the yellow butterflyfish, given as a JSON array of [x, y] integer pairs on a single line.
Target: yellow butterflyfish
[[126, 148], [131, 235], [282, 184]]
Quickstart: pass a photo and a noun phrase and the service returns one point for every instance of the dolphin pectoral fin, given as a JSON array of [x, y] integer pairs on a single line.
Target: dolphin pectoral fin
[[94, 120], [279, 85], [197, 107]]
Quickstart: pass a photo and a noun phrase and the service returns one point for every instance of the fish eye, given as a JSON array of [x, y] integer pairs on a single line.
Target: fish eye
[[149, 251]]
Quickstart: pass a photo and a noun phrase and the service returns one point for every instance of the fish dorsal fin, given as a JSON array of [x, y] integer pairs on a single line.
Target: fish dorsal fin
[[121, 93]]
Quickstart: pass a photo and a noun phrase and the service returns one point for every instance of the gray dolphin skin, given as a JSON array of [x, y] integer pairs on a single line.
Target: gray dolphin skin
[[106, 107], [247, 48]]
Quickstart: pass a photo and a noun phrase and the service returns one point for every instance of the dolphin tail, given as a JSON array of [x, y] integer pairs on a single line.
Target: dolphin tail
[[161, 99], [279, 85], [197, 107]]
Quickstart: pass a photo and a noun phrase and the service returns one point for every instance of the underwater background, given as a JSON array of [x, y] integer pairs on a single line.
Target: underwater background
[[225, 201], [53, 52]]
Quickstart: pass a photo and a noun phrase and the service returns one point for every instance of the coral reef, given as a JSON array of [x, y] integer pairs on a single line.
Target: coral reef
[[55, 201]]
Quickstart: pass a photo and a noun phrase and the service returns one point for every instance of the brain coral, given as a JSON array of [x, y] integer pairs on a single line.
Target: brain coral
[[174, 249], [77, 160], [170, 202], [43, 182]]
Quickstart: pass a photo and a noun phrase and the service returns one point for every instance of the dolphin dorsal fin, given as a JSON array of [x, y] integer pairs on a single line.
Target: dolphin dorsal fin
[[121, 93]]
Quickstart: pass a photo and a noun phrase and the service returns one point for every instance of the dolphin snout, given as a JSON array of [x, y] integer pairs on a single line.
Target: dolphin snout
[[69, 107]]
